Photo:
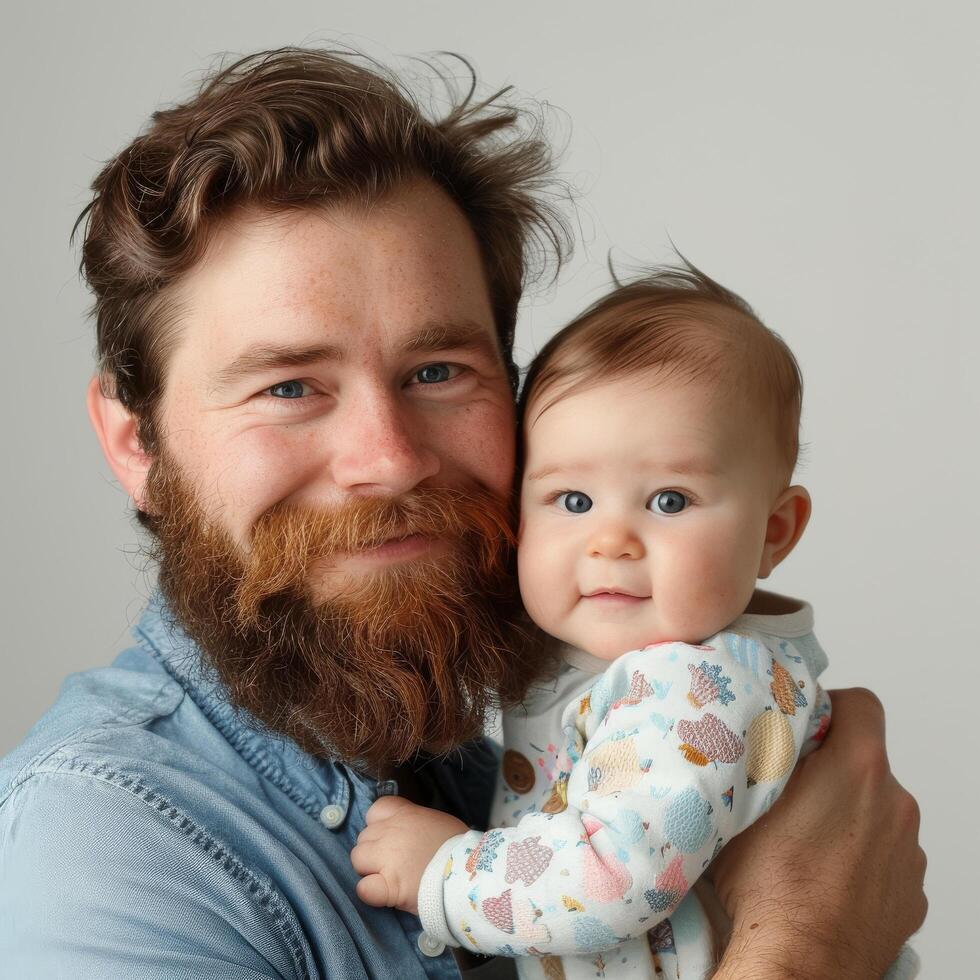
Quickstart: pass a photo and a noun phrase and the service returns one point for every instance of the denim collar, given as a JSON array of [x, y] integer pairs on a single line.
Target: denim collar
[[309, 782]]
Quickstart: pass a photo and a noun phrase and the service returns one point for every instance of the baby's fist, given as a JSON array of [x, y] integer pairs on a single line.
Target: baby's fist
[[395, 847]]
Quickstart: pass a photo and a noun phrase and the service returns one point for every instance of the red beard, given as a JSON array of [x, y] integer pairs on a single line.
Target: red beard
[[409, 658]]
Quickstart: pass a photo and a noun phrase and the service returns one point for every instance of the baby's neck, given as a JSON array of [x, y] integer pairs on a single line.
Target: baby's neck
[[765, 603]]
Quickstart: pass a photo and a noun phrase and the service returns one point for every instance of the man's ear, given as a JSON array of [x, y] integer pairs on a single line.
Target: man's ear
[[787, 521], [115, 428]]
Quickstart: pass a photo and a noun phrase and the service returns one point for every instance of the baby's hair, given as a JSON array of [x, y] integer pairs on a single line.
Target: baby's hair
[[681, 324]]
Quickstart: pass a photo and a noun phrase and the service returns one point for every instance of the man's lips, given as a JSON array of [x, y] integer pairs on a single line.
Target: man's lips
[[395, 549]]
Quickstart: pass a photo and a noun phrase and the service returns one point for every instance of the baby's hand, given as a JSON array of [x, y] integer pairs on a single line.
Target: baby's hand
[[392, 851]]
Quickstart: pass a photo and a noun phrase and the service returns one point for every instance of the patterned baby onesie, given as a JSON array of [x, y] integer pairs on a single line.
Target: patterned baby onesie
[[620, 782]]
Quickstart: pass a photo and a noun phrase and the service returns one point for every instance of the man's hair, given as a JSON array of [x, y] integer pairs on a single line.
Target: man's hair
[[299, 128], [682, 325]]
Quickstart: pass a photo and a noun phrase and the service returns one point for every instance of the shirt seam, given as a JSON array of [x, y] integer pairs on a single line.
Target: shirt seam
[[262, 895], [136, 715], [746, 625]]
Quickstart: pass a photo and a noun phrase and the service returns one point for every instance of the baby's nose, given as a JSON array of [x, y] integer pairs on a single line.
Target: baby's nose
[[615, 540]]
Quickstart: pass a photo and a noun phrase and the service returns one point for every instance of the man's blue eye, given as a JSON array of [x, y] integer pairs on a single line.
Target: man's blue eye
[[574, 502], [287, 389], [668, 502], [433, 374]]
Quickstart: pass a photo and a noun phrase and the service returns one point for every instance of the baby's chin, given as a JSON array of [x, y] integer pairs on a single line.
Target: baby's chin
[[608, 644]]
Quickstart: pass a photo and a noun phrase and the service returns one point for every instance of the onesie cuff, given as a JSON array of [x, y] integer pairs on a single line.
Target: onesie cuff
[[432, 906]]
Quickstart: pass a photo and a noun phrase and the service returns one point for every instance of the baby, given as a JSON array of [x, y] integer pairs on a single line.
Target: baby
[[660, 436]]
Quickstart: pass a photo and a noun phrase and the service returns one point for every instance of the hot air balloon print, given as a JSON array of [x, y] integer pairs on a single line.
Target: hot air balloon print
[[784, 690], [771, 748]]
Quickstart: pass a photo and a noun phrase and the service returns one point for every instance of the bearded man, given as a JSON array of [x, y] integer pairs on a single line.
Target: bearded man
[[305, 292]]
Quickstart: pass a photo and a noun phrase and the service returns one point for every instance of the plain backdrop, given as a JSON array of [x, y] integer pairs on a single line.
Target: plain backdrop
[[820, 159]]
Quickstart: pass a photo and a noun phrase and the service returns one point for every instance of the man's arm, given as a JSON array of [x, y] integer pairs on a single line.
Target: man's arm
[[829, 882]]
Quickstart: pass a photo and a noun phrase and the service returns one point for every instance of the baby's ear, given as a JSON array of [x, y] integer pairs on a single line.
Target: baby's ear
[[787, 521]]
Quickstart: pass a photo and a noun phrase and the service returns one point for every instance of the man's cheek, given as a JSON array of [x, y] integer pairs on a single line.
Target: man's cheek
[[483, 441], [265, 471], [276, 462]]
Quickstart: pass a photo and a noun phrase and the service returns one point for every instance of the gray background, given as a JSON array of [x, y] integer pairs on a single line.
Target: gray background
[[818, 158]]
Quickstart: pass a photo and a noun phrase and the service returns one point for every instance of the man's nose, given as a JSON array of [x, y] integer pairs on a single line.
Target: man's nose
[[377, 447], [615, 539]]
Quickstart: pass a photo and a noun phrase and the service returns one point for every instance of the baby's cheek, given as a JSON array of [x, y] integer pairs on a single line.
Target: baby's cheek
[[708, 594], [540, 579], [698, 596]]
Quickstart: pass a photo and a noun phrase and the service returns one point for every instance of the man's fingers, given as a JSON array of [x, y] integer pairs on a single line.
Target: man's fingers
[[857, 729], [385, 807], [921, 913], [373, 890], [856, 710]]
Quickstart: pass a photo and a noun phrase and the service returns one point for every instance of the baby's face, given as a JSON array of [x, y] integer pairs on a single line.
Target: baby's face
[[644, 507]]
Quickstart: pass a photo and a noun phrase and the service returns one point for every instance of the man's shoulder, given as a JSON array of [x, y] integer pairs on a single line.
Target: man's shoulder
[[112, 793], [96, 717]]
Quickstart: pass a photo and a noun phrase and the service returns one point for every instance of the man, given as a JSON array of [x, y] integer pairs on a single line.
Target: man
[[305, 299]]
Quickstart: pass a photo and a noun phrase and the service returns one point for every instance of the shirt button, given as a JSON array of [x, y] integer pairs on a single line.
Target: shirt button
[[332, 816], [429, 945]]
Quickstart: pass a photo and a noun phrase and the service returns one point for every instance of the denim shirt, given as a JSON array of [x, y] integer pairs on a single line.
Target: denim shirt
[[147, 830]]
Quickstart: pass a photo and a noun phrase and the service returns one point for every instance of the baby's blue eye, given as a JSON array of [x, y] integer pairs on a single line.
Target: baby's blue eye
[[287, 389], [433, 374], [668, 502], [574, 502]]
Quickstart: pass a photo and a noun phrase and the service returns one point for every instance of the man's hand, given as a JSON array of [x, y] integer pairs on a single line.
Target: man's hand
[[829, 882], [395, 847]]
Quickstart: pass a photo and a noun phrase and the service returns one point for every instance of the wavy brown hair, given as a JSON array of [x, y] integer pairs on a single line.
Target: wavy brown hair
[[296, 128]]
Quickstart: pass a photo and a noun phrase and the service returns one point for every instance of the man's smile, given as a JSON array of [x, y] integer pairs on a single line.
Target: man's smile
[[399, 548]]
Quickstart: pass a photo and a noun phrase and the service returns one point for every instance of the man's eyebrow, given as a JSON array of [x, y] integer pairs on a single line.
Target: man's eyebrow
[[264, 357], [461, 335], [432, 337]]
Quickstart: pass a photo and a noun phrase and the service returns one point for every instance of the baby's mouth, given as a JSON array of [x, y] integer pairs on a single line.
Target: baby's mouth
[[614, 595]]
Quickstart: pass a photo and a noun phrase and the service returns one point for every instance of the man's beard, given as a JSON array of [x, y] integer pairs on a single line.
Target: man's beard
[[413, 657]]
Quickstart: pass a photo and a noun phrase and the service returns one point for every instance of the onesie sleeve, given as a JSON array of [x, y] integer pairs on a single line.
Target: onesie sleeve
[[675, 750]]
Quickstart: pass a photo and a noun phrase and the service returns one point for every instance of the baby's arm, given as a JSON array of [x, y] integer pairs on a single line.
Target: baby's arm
[[674, 751]]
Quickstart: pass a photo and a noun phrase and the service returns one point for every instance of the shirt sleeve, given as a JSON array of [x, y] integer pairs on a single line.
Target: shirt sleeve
[[674, 751], [94, 883]]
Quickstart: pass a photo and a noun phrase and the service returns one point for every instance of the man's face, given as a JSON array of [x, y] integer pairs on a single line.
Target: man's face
[[335, 355], [331, 505]]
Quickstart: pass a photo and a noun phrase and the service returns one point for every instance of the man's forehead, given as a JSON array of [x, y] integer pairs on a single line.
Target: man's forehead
[[337, 280], [279, 260]]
